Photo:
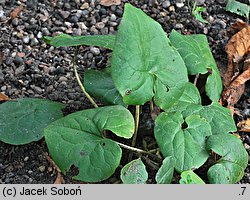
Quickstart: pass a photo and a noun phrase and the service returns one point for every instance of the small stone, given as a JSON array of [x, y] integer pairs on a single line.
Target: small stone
[[39, 35], [26, 159], [171, 9], [179, 26], [205, 30], [26, 39], [67, 5], [179, 5], [77, 32], [65, 14], [82, 26], [45, 31], [15, 22], [3, 88], [113, 17], [18, 60], [34, 42], [61, 79], [30, 172], [95, 50], [100, 25], [166, 4], [74, 19], [84, 6], [42, 168], [38, 90]]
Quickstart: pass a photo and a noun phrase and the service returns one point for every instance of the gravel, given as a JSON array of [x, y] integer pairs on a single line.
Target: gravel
[[46, 72]]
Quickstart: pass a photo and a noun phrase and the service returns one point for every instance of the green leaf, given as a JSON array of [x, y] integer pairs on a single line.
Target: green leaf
[[182, 139], [134, 173], [166, 171], [198, 58], [189, 177], [144, 58], [238, 8], [197, 14], [99, 84], [77, 140], [106, 41], [189, 96], [230, 168], [22, 121], [219, 118]]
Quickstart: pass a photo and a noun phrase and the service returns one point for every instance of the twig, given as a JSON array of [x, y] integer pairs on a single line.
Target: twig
[[79, 81], [137, 119], [196, 79]]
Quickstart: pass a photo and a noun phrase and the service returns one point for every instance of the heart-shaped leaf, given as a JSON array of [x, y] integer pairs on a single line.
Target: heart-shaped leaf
[[198, 58], [183, 139], [143, 60], [134, 173], [219, 118], [106, 41], [77, 140], [166, 171], [230, 168], [100, 85], [189, 177], [22, 121]]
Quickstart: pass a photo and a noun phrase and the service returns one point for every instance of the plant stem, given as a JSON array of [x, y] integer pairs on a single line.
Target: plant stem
[[137, 119], [151, 106], [132, 148], [79, 81], [196, 79]]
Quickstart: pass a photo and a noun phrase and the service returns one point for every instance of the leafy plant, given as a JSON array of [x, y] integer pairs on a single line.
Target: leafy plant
[[197, 11], [146, 65]]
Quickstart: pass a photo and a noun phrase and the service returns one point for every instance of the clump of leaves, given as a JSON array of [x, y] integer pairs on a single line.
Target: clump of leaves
[[146, 65]]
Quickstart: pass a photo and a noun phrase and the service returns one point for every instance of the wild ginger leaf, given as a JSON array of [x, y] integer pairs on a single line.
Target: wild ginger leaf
[[198, 58], [189, 177], [77, 140], [166, 171], [238, 8], [106, 41], [219, 117], [183, 139], [100, 85], [230, 168], [143, 57], [22, 121], [134, 172]]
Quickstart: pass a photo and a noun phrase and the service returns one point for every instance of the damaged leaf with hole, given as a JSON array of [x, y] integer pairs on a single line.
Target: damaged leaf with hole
[[77, 140]]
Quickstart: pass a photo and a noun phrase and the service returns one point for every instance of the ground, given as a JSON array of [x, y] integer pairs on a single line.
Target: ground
[[30, 68]]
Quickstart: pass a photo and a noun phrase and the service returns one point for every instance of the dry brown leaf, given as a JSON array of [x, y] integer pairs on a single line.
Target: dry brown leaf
[[3, 97], [244, 125], [16, 12], [110, 2], [59, 179], [237, 47]]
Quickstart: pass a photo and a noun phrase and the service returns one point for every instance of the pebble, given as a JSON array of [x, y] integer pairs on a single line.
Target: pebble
[[113, 17], [39, 35], [166, 4], [95, 50], [15, 22], [65, 14], [61, 79], [26, 39], [100, 25], [42, 168], [171, 9], [84, 6], [179, 26], [81, 25], [3, 88], [26, 159]]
